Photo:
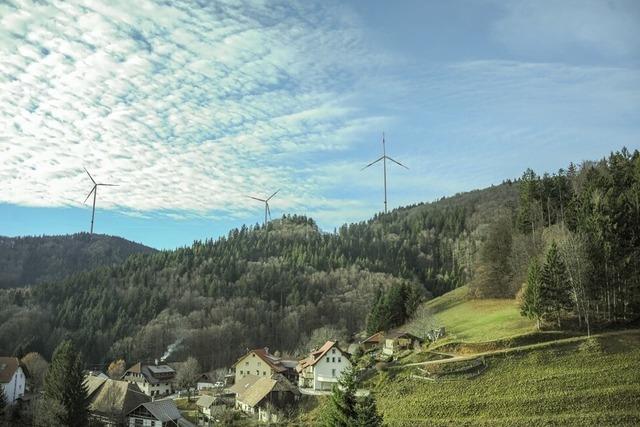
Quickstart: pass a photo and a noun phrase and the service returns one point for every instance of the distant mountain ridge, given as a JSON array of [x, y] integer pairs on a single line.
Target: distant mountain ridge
[[30, 260]]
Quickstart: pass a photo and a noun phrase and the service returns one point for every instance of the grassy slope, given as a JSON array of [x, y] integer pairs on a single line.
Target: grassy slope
[[572, 381], [593, 382], [473, 320]]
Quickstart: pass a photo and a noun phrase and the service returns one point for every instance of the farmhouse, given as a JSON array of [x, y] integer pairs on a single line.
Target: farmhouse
[[111, 400], [13, 378], [396, 341], [264, 397], [153, 380], [210, 406], [160, 413], [261, 363], [374, 341], [322, 369]]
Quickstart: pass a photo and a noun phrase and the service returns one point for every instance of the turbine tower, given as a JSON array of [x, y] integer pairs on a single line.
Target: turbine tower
[[267, 211], [94, 190], [384, 159]]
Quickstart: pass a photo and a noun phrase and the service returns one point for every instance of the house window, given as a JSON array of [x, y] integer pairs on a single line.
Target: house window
[[246, 363], [257, 372], [333, 351], [339, 359], [327, 360], [333, 359], [264, 373], [241, 372], [333, 372]]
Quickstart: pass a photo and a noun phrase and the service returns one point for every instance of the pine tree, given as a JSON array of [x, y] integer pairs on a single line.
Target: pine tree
[[367, 412], [64, 384], [342, 405], [555, 291], [531, 304]]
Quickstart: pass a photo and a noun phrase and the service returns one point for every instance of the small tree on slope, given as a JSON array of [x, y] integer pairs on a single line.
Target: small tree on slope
[[342, 405], [555, 293], [367, 412], [531, 305]]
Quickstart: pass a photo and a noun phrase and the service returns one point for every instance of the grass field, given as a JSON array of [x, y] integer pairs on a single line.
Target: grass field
[[588, 382], [528, 378], [472, 320]]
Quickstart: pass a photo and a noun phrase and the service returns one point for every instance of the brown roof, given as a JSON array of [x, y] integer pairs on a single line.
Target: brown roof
[[401, 334], [376, 338], [317, 355], [8, 367], [113, 398], [272, 361], [256, 392], [243, 383], [136, 369]]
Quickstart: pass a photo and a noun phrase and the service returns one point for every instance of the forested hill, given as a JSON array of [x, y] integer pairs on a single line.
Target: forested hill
[[26, 261], [280, 286]]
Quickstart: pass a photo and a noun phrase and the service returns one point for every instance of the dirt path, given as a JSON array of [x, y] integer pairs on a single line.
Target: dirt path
[[459, 358]]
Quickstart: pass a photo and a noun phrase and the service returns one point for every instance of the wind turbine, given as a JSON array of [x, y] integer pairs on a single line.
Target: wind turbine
[[94, 190], [384, 159], [267, 211]]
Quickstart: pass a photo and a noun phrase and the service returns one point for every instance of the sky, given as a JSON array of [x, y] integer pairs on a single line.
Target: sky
[[191, 106]]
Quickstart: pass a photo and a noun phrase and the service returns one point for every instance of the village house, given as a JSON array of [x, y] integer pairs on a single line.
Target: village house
[[261, 363], [209, 407], [159, 413], [373, 342], [265, 397], [13, 378], [396, 341], [111, 400], [153, 380], [324, 366]]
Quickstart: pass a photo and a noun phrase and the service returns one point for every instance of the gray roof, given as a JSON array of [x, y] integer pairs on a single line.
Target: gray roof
[[164, 410]]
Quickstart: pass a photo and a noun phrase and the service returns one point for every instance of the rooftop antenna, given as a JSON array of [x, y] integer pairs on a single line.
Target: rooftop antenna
[[384, 159], [94, 190], [267, 211]]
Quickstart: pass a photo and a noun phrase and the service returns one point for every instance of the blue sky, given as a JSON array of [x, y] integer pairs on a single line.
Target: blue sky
[[190, 106]]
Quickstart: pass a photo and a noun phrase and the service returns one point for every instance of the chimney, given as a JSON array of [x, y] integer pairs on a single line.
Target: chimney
[[156, 362], [266, 349]]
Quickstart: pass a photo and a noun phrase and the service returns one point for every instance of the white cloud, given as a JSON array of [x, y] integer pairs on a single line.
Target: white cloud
[[185, 106]]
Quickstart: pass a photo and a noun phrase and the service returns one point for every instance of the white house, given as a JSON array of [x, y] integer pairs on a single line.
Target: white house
[[322, 369], [153, 380], [160, 413], [13, 378]]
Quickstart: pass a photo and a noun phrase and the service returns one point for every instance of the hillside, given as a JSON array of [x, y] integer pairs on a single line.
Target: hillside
[[521, 377], [471, 320], [257, 286], [26, 261]]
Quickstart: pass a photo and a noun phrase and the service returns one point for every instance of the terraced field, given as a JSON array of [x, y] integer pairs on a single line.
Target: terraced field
[[582, 382]]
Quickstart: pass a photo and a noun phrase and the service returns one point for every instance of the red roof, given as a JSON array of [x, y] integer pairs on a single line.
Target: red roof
[[274, 362], [8, 367], [317, 355], [376, 338]]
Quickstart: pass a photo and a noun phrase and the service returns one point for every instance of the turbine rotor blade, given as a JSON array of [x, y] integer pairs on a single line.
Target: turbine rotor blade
[[397, 162], [85, 169], [268, 209], [255, 198], [88, 195], [109, 185], [372, 163], [273, 195]]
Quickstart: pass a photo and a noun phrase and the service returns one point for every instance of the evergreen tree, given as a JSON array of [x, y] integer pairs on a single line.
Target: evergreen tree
[[531, 304], [555, 291], [64, 384], [374, 320], [342, 410], [367, 412]]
